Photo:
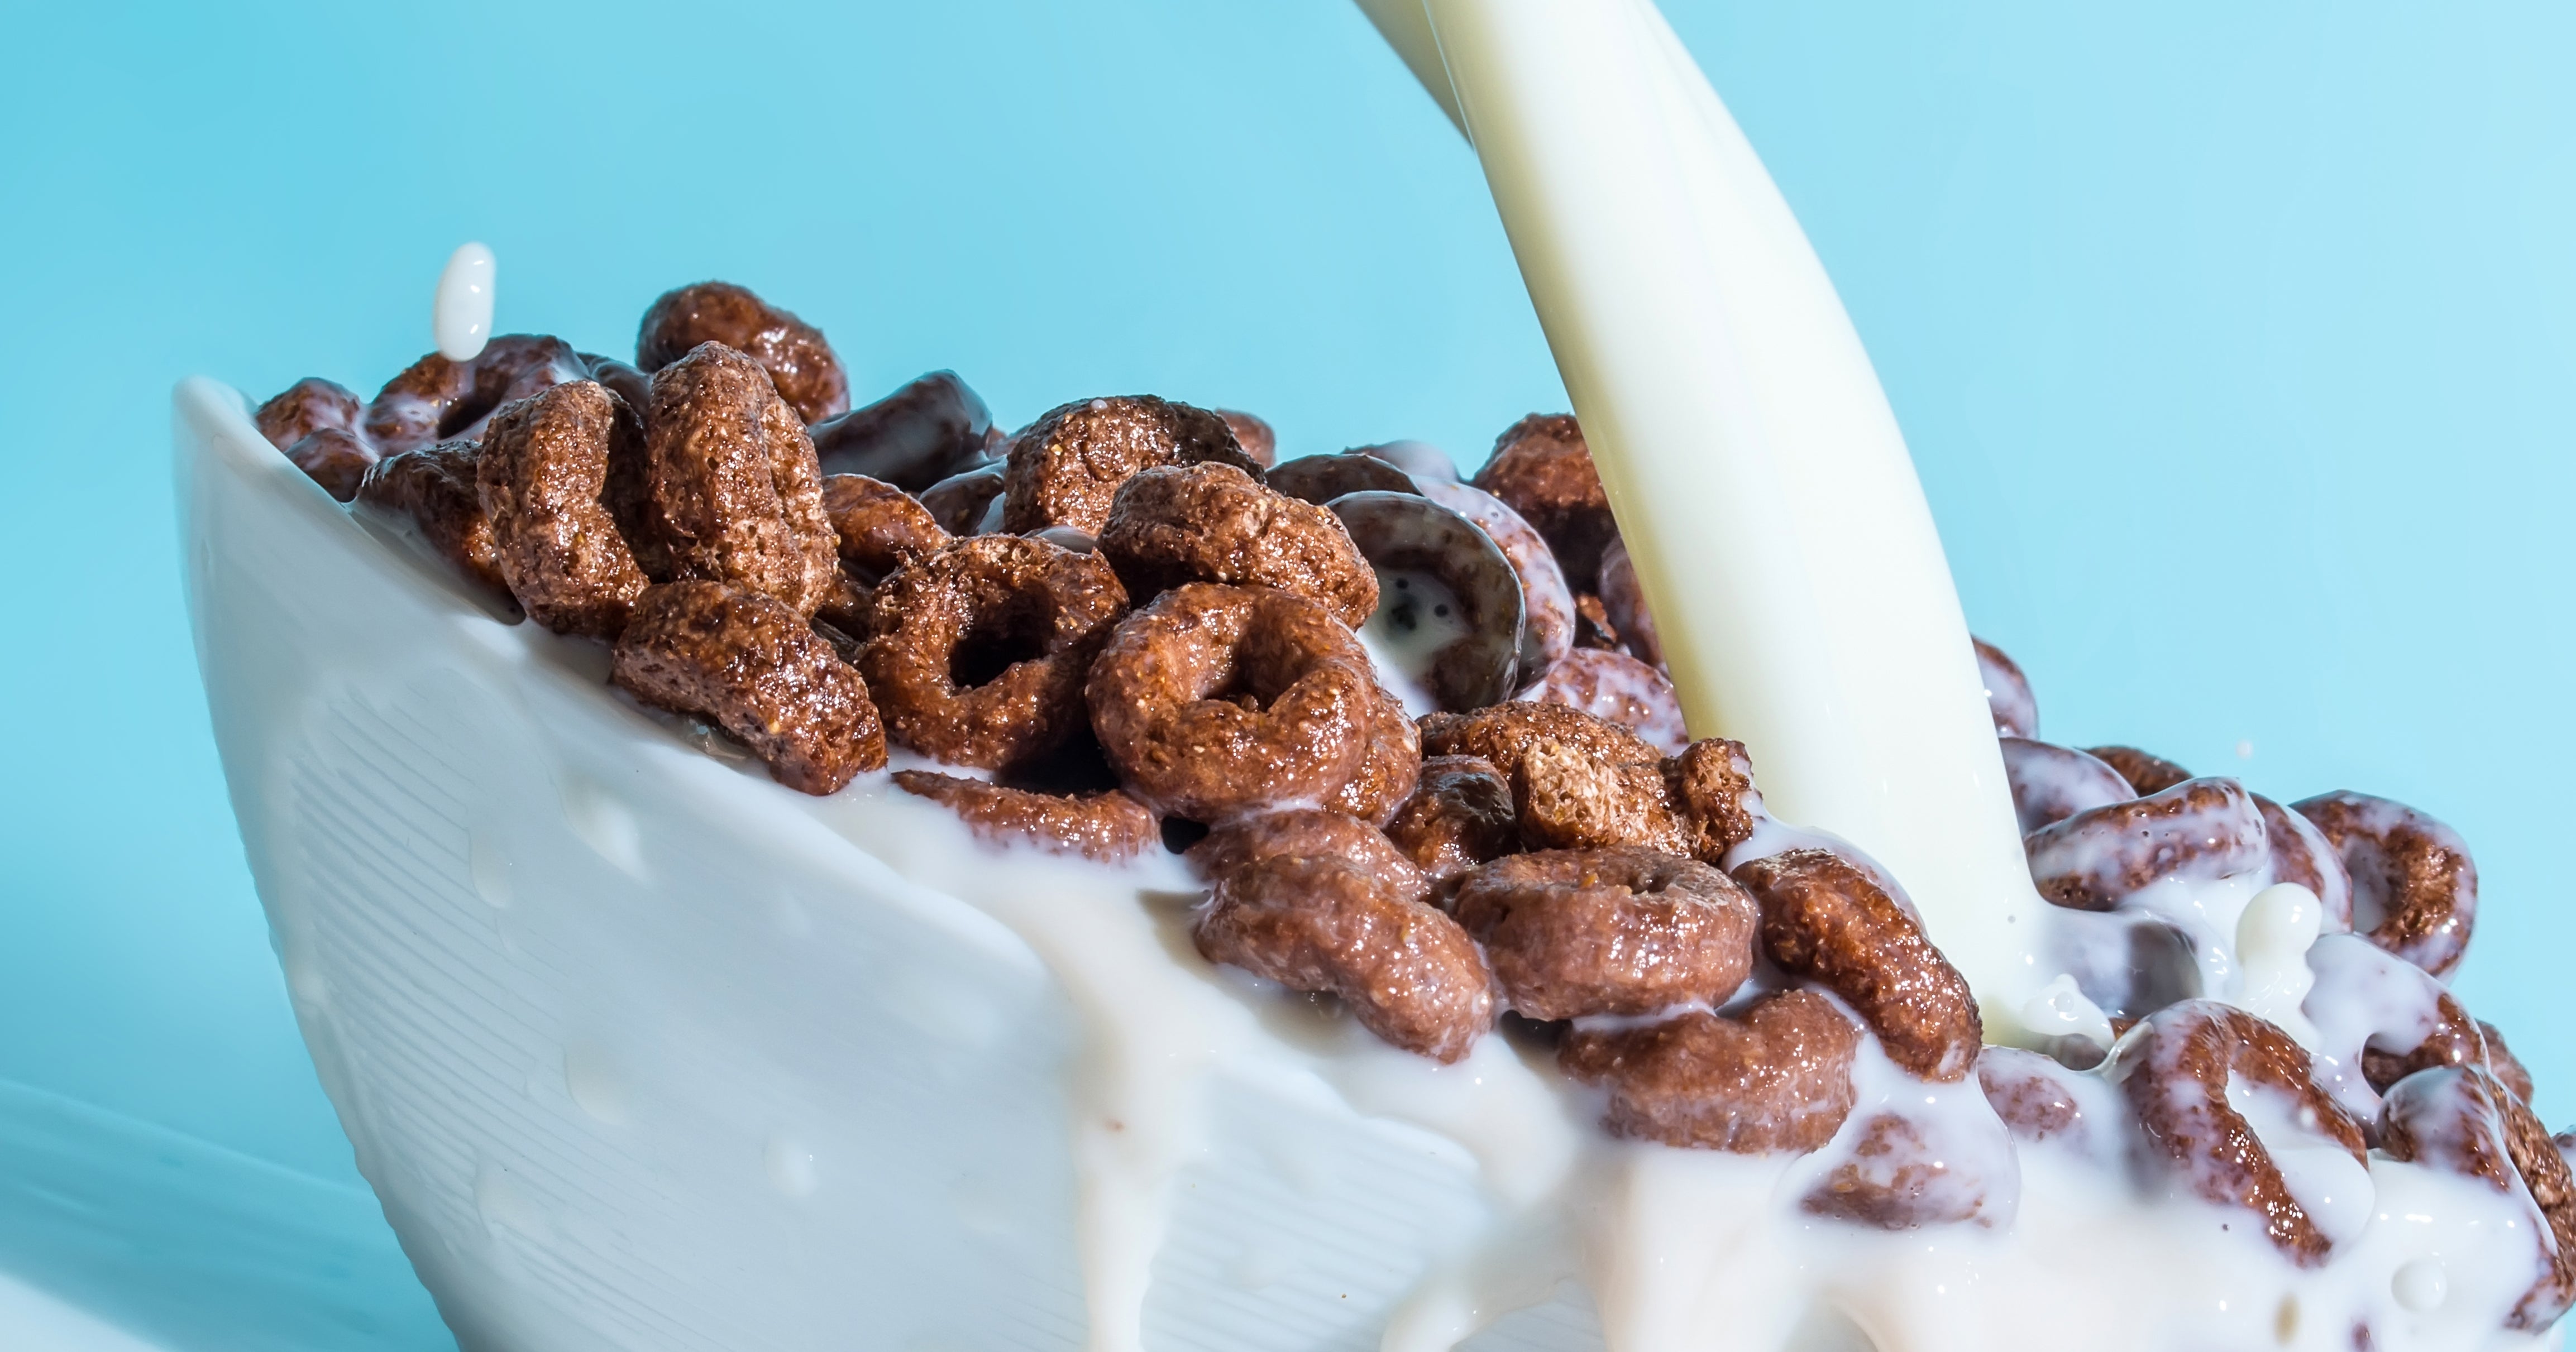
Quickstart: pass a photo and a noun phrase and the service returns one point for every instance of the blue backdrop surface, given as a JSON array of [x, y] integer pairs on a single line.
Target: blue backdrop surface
[[2233, 343]]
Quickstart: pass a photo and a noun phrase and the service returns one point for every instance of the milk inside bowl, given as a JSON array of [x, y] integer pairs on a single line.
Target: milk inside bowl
[[640, 1048]]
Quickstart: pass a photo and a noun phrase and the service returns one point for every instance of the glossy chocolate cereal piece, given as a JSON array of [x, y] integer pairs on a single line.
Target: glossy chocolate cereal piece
[[1065, 469], [2041, 1101], [1107, 826], [2503, 1064], [1711, 788], [1616, 688], [2542, 1162], [878, 526], [1904, 1171], [335, 458], [2176, 1077], [1566, 800], [1592, 626], [308, 406], [2200, 828], [1612, 931], [1542, 468], [1502, 733], [434, 488], [1253, 435], [960, 502], [2052, 783], [1216, 701], [2147, 774], [732, 490], [1460, 815], [2008, 695], [980, 650], [2301, 854], [1390, 760], [1405, 970], [1214, 523], [1439, 576], [1321, 478], [1547, 601], [435, 399], [754, 666], [2414, 887], [1777, 1078], [1623, 598], [931, 428], [540, 478], [1825, 919], [1308, 833], [800, 364]]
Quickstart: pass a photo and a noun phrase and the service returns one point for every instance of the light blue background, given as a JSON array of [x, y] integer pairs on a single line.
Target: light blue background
[[2233, 343]]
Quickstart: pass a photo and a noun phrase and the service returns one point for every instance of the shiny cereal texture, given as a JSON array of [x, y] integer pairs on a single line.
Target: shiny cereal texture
[[799, 363]]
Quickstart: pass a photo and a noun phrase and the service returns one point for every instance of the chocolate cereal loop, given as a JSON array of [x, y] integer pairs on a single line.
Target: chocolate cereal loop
[[1067, 466], [733, 492], [540, 479], [1826, 920], [1459, 815], [434, 488], [1777, 1078], [800, 364], [756, 668], [1108, 826], [2414, 887], [1212, 523], [1611, 931]]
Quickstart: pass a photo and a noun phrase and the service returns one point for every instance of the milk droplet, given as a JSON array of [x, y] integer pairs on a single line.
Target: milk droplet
[[490, 869], [790, 1166], [592, 1080], [2273, 936], [2421, 1285], [603, 823], [2244, 751], [460, 318]]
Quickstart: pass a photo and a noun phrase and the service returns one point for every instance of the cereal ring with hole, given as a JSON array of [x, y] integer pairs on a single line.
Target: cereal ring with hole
[[2041, 1101], [2052, 783], [1619, 689], [2176, 1075], [308, 406], [1546, 599], [1067, 466], [1107, 826], [1610, 931], [2008, 695], [1448, 605], [434, 489], [980, 650], [1459, 816], [879, 527], [1214, 523], [541, 479], [2301, 854], [1543, 470], [2414, 887], [1253, 435], [2147, 774], [800, 363], [931, 428], [1826, 920], [2462, 1121], [1568, 801], [435, 399], [960, 502], [732, 492], [1623, 598], [751, 664], [1711, 787], [2200, 828], [1216, 700], [2380, 1018], [1779, 1077], [1318, 922], [1321, 478]]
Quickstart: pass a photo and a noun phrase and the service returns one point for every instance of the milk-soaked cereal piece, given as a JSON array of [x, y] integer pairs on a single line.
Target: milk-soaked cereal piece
[[2042, 1102], [1107, 826], [879, 527], [1825, 919], [961, 502], [1779, 1077], [2008, 695], [2052, 783], [1321, 478], [1308, 833], [436, 399], [799, 362], [1067, 466], [2200, 828], [1543, 469], [981, 650], [732, 492], [2177, 1076], [1440, 577], [1619, 689], [1623, 598], [755, 667], [1459, 815], [334, 458], [2463, 1121], [1547, 598], [1711, 787], [2301, 854], [306, 407], [1319, 922], [435, 488], [1611, 931], [1216, 701], [1213, 523], [2414, 887], [1906, 1170], [541, 479], [2147, 774]]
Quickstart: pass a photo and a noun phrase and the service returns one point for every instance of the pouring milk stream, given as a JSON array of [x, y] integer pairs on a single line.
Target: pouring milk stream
[[1758, 475]]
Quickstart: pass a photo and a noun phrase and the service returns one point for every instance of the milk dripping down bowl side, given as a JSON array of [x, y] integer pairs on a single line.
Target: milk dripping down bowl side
[[640, 1050]]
